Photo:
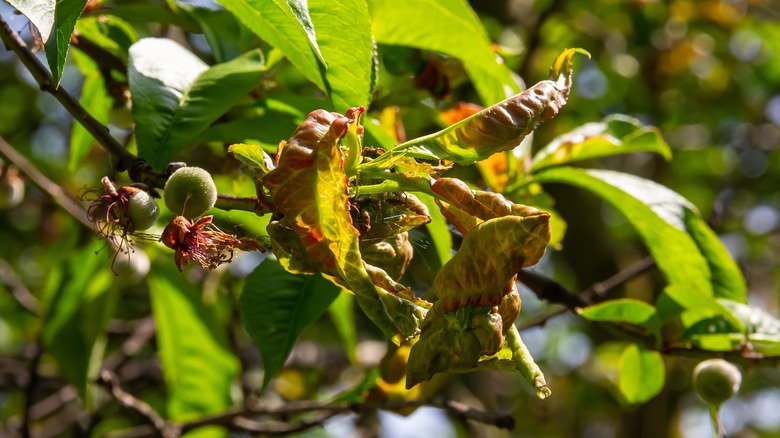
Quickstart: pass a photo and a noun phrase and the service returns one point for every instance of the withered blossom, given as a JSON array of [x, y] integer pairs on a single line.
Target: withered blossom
[[204, 243]]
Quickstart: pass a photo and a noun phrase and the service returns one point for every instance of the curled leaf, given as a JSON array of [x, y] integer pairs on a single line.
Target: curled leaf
[[503, 126], [482, 205], [453, 341], [314, 232], [482, 270], [393, 254]]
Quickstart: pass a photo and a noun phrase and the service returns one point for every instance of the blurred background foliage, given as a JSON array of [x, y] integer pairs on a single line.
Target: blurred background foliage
[[707, 73]]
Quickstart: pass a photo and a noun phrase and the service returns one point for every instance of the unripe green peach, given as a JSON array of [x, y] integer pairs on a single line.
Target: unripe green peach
[[190, 192], [142, 210], [716, 380]]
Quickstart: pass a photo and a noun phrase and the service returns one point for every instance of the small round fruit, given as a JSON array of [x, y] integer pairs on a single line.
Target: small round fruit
[[716, 380], [142, 210], [190, 192]]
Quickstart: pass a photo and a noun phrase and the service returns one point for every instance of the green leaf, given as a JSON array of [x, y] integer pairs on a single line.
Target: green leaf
[[625, 310], [657, 214], [276, 306], [197, 363], [39, 12], [176, 96], [615, 135], [253, 156], [65, 16], [97, 102], [500, 127], [342, 313], [642, 374], [300, 10], [281, 29], [74, 328], [109, 32], [350, 59], [727, 279], [445, 26], [222, 30]]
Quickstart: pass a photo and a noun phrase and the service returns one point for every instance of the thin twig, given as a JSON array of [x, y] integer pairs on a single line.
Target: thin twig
[[29, 390], [23, 296], [246, 419], [111, 382], [552, 291], [55, 192], [124, 159], [143, 333]]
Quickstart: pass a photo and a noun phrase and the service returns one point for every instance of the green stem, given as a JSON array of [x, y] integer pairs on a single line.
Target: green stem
[[526, 365], [353, 152]]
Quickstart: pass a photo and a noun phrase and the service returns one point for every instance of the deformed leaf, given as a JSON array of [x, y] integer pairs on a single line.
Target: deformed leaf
[[276, 306], [642, 374], [176, 95], [453, 341], [489, 258], [309, 192], [500, 127], [482, 205], [616, 134]]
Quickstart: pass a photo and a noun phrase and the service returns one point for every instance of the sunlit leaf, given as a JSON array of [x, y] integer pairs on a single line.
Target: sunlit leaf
[[616, 134], [625, 310], [65, 16], [39, 12], [300, 10], [281, 29], [350, 59], [197, 363], [276, 306], [642, 374], [252, 156], [727, 279], [450, 27], [176, 95], [657, 214], [500, 127]]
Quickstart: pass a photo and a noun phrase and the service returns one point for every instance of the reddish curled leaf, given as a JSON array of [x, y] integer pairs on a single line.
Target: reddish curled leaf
[[503, 126], [481, 272], [509, 308], [308, 191], [483, 205]]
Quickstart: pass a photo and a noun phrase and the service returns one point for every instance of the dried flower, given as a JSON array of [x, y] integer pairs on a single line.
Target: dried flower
[[118, 215], [204, 243]]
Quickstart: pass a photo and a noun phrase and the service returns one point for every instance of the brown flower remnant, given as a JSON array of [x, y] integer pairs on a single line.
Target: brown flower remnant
[[204, 243], [109, 211]]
